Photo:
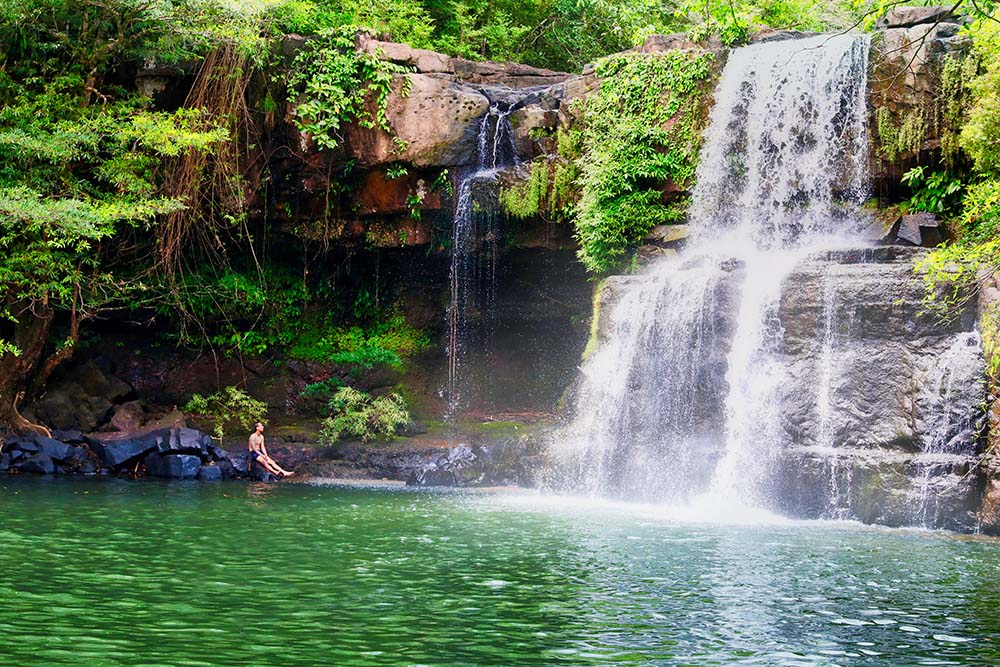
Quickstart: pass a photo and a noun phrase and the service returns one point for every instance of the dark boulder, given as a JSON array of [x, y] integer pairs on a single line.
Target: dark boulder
[[58, 451], [26, 445], [38, 463], [226, 468], [216, 453], [116, 453], [69, 436], [70, 406], [4, 462], [239, 463], [128, 416], [210, 473], [191, 440], [172, 466]]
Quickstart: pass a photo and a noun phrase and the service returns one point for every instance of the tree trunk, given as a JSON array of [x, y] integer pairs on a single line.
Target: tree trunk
[[31, 332]]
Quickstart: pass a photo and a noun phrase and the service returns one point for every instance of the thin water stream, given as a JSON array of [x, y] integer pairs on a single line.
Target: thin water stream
[[474, 253]]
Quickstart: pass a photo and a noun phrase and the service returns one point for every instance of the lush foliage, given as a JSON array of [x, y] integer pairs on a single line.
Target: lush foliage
[[356, 414], [549, 191], [273, 310], [331, 83], [936, 192], [226, 407], [81, 162], [952, 272], [640, 130], [386, 341], [560, 34]]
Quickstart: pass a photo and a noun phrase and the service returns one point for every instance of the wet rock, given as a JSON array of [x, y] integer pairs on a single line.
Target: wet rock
[[226, 468], [527, 124], [210, 473], [779, 36], [893, 489], [891, 370], [665, 235], [989, 511], [172, 466], [36, 463], [240, 463], [54, 449], [116, 453], [920, 229], [5, 462]]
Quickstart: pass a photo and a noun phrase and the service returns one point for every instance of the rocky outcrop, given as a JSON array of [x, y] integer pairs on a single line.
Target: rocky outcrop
[[433, 113], [83, 398], [905, 93], [896, 439], [478, 463], [169, 453], [434, 124]]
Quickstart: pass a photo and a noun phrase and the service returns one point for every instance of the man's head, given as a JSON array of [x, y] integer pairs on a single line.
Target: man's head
[[259, 427]]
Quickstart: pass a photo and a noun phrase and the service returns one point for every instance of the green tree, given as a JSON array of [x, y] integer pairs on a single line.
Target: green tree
[[79, 167]]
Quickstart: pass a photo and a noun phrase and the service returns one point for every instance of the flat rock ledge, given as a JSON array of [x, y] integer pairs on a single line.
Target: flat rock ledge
[[188, 454], [167, 453]]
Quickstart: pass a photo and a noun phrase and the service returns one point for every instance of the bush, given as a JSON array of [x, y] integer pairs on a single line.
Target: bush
[[228, 406], [641, 129], [387, 342], [356, 414]]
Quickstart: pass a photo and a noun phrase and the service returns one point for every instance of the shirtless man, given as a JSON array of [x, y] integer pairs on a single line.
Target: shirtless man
[[258, 452]]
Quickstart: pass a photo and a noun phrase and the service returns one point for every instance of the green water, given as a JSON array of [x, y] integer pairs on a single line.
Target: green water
[[140, 573]]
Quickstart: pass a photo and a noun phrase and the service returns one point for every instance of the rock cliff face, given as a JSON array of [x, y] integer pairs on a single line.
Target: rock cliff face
[[434, 112], [908, 116], [896, 437]]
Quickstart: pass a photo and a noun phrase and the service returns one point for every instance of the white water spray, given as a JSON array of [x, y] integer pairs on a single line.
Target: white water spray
[[782, 174]]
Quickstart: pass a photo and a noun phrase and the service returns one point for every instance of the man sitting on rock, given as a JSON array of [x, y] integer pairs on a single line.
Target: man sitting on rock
[[258, 453]]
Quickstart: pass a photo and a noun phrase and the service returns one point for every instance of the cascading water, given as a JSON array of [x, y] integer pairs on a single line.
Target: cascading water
[[778, 363], [475, 236], [780, 173]]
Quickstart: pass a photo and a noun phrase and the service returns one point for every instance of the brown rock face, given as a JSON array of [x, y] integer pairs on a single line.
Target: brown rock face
[[379, 194], [434, 125], [905, 90], [907, 17]]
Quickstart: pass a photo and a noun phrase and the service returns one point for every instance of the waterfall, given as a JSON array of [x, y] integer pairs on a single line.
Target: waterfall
[[682, 395], [475, 238], [780, 362]]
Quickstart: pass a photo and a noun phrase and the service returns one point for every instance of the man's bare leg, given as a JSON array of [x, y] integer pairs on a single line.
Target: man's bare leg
[[273, 466]]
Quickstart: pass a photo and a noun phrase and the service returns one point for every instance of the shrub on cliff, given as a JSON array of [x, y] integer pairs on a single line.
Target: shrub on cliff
[[356, 414], [641, 130]]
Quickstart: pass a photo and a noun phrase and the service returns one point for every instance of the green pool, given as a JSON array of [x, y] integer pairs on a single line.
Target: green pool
[[142, 573]]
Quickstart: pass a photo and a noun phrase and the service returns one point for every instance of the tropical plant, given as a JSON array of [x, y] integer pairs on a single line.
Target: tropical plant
[[228, 406], [356, 414]]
